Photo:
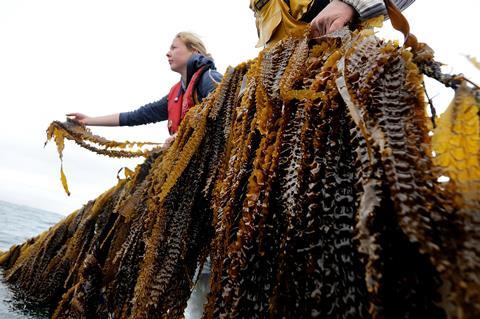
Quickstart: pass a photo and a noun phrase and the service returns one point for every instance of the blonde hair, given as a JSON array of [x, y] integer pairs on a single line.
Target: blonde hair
[[193, 43]]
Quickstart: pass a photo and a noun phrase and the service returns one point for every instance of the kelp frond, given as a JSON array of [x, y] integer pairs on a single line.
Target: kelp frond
[[310, 178]]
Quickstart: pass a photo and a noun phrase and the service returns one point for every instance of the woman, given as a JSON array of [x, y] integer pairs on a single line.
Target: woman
[[188, 57]]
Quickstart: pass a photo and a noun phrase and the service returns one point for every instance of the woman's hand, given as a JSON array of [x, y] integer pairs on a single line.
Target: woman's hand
[[79, 118], [169, 141], [333, 17], [105, 120]]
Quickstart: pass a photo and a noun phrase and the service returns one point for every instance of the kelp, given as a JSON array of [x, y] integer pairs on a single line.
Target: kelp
[[456, 143], [474, 61], [81, 135], [310, 179]]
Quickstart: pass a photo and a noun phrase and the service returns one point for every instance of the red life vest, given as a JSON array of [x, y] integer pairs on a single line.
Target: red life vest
[[180, 102]]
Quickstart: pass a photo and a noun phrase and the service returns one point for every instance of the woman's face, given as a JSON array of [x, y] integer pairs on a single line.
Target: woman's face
[[178, 55]]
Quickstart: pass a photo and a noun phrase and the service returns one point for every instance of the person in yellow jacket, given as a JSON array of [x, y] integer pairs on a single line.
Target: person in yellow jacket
[[276, 19]]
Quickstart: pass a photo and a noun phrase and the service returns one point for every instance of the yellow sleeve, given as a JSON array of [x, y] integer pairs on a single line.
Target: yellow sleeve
[[299, 7], [276, 20]]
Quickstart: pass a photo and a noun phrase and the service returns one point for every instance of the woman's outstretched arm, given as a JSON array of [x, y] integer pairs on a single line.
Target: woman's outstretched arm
[[149, 113]]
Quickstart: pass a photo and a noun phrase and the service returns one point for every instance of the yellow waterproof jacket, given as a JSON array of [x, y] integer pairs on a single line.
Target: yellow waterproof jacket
[[276, 19]]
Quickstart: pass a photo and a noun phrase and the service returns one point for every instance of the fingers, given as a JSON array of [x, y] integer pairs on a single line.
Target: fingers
[[73, 116], [77, 121], [335, 25], [332, 18], [319, 26], [316, 30], [77, 117], [319, 29], [169, 141]]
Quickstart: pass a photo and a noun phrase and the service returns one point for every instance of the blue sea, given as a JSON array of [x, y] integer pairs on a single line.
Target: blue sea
[[18, 223]]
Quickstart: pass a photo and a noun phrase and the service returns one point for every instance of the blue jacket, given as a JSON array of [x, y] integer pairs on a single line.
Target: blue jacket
[[158, 111]]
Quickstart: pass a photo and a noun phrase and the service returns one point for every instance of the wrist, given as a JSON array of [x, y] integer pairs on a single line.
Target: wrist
[[348, 8], [87, 121], [351, 4]]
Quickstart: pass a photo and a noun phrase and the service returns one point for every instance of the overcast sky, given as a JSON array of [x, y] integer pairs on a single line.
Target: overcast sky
[[107, 56]]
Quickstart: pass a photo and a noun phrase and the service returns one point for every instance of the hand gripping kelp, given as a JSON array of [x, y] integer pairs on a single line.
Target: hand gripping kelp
[[313, 180]]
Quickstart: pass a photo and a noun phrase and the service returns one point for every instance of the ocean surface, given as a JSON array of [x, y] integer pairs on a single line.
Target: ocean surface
[[17, 224]]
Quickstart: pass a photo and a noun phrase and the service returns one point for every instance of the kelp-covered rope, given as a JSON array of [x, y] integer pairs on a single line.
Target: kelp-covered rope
[[81, 135], [311, 180], [109, 250]]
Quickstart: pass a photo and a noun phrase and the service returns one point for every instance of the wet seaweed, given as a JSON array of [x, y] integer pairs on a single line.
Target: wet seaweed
[[311, 180]]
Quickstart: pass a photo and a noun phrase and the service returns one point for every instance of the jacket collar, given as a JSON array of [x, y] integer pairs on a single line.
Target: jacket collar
[[196, 62]]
